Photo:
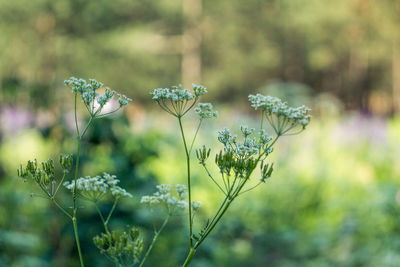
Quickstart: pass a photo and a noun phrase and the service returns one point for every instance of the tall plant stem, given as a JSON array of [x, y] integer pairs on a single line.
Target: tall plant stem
[[78, 150], [195, 135], [230, 197], [189, 257], [156, 235], [74, 193], [188, 182], [78, 245], [105, 224]]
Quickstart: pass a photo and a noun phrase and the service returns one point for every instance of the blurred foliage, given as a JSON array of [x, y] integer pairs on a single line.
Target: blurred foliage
[[348, 48], [331, 201]]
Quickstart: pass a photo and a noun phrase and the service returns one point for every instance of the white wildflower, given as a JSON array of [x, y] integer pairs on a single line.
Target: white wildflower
[[205, 111], [164, 195], [196, 205], [92, 99], [199, 90], [94, 188], [287, 118], [176, 100]]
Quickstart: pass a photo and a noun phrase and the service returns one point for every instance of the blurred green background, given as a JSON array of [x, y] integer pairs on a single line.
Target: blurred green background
[[332, 198]]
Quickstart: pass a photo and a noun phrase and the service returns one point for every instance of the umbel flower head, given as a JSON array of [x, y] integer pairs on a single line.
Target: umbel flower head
[[239, 158], [176, 100], [93, 100], [173, 201], [120, 245], [206, 111], [284, 120], [42, 173], [94, 188]]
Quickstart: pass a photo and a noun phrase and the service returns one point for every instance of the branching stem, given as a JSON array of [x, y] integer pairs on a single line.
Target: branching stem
[[156, 235], [188, 182]]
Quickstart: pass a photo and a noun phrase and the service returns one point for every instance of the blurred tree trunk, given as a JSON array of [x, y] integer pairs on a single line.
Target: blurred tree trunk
[[396, 77], [191, 54]]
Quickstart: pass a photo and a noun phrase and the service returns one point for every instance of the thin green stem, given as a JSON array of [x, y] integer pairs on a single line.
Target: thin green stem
[[105, 224], [61, 208], [195, 135], [78, 245], [112, 210], [108, 113], [251, 188], [190, 107], [74, 192], [262, 120], [87, 127], [102, 218], [214, 224], [189, 257], [76, 114], [188, 182], [230, 197], [156, 235], [62, 180], [209, 175]]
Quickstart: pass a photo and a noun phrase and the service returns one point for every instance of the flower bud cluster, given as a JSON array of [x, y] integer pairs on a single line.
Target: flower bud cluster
[[120, 245], [241, 167], [266, 171], [43, 173], [250, 145], [93, 100], [239, 157], [203, 154], [66, 162], [175, 100], [287, 117], [94, 188], [206, 111]]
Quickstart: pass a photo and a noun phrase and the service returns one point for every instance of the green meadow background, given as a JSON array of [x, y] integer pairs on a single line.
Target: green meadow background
[[334, 197]]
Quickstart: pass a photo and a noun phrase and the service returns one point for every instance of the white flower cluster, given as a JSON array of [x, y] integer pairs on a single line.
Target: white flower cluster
[[90, 95], [163, 195], [175, 100], [250, 145], [246, 131], [199, 90], [94, 188], [205, 111], [175, 94], [225, 137], [275, 106], [196, 205]]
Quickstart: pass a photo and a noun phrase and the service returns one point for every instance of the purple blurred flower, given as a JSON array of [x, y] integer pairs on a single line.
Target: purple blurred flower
[[14, 119]]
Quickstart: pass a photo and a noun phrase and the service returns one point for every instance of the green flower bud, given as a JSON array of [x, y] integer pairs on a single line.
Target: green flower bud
[[43, 177], [266, 171], [48, 167], [21, 171], [125, 244], [203, 154], [134, 233], [66, 162], [31, 166]]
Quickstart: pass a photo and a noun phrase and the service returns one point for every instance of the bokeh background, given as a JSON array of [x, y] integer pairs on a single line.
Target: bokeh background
[[333, 199]]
